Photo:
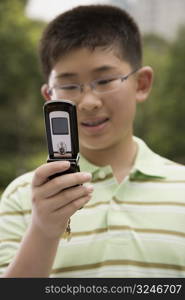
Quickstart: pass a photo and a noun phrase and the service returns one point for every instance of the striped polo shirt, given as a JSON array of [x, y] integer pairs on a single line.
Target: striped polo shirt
[[135, 228]]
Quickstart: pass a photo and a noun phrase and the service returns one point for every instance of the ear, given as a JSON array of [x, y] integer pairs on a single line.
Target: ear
[[144, 83], [45, 92]]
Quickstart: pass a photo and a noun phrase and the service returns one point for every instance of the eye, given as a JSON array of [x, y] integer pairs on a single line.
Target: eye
[[69, 87], [105, 81]]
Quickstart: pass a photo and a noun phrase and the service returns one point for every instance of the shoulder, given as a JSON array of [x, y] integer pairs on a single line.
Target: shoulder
[[16, 198], [172, 170], [23, 181], [153, 164]]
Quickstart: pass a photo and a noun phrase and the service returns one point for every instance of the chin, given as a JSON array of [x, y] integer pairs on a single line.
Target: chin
[[97, 146]]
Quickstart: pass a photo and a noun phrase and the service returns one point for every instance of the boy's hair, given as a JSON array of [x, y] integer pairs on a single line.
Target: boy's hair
[[89, 27]]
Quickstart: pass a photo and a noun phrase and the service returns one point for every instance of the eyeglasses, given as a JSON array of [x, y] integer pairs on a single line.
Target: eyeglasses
[[99, 86]]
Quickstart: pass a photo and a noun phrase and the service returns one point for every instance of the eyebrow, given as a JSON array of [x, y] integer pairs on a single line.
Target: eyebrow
[[96, 70], [65, 75], [103, 68]]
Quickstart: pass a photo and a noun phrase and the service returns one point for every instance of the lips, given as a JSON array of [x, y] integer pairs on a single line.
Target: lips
[[94, 122]]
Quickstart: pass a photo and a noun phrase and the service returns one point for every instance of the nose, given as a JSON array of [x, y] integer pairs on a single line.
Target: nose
[[89, 101]]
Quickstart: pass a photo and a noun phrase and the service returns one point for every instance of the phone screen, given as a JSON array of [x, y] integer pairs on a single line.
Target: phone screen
[[60, 126]]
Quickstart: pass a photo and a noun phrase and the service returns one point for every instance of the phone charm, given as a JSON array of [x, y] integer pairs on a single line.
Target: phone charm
[[67, 234]]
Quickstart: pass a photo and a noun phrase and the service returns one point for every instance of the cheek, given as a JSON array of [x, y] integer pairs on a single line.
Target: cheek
[[123, 109]]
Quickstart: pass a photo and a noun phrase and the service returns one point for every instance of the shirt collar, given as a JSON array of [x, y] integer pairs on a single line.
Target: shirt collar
[[147, 164], [98, 173]]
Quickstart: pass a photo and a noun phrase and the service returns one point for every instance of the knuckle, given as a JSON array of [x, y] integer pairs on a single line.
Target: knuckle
[[57, 181], [34, 199], [66, 195], [39, 172], [75, 205], [77, 178], [84, 191], [80, 178], [34, 195], [79, 189], [80, 202]]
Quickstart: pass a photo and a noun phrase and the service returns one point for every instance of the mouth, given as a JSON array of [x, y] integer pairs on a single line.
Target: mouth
[[94, 122]]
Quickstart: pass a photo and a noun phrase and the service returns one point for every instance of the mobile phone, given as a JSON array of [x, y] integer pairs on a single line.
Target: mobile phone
[[62, 133]]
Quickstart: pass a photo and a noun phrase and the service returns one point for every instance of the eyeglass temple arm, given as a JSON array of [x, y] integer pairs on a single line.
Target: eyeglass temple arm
[[125, 77]]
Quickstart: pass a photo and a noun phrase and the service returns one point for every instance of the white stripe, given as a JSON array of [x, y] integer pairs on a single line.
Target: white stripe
[[149, 236], [131, 208], [101, 184], [174, 167], [93, 210], [149, 208], [85, 239], [27, 218], [163, 238], [15, 218], [2, 270], [123, 237], [122, 271], [157, 185]]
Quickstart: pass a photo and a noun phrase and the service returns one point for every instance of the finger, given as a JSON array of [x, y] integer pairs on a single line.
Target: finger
[[62, 182], [43, 172], [69, 195], [72, 207]]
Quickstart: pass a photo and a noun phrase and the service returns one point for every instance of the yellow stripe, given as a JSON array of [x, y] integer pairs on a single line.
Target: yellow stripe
[[4, 265], [157, 180], [17, 187], [118, 263], [148, 203], [24, 212], [133, 203], [11, 240], [121, 228], [148, 230], [16, 213], [96, 204], [85, 233], [115, 228]]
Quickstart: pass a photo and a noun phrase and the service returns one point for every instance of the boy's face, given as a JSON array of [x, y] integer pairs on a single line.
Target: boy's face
[[105, 120]]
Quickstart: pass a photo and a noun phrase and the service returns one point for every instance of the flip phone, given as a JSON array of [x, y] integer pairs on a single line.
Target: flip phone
[[62, 133]]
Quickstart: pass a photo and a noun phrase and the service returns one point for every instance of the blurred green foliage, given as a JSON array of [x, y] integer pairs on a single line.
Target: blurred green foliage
[[159, 121], [21, 128]]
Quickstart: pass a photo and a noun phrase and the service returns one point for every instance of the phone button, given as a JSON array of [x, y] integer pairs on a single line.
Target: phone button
[[101, 174]]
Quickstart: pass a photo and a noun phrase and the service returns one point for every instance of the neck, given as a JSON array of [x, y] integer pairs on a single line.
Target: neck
[[120, 157]]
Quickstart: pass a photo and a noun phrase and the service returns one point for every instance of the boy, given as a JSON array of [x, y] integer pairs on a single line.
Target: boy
[[132, 223]]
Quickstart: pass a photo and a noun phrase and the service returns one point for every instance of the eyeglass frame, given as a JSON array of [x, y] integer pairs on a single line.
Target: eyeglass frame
[[94, 83]]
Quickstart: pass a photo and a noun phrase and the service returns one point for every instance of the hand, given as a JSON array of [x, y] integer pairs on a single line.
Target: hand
[[55, 201]]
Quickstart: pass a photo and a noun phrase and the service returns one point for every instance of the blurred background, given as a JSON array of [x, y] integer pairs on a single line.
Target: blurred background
[[160, 121]]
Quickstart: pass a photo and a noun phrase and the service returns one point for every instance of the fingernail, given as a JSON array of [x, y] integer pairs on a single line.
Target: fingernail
[[90, 188], [66, 164], [87, 175]]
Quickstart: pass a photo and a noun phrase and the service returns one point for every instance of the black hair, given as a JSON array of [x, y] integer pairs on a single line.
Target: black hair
[[90, 26]]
